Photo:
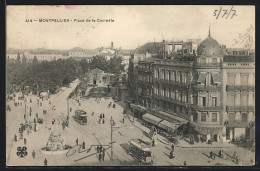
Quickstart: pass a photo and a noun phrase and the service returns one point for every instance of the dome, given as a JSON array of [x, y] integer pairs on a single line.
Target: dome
[[209, 47]]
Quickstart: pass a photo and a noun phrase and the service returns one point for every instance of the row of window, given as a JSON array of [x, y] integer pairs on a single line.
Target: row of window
[[244, 99], [174, 94], [214, 101], [171, 75], [171, 107], [244, 79], [232, 117], [214, 117]]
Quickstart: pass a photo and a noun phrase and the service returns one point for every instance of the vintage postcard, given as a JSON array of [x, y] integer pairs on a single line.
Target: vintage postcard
[[105, 85]]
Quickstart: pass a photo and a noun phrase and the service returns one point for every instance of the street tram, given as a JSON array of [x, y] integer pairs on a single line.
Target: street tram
[[80, 117], [140, 150]]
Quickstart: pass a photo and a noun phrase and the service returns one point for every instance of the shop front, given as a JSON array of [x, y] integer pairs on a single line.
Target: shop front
[[206, 133]]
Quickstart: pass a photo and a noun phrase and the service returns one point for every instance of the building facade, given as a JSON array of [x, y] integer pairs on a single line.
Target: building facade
[[212, 90]]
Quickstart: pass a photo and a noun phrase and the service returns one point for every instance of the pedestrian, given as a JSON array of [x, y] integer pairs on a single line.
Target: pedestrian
[[30, 100], [37, 115], [77, 141], [171, 155], [103, 121], [45, 162], [211, 154], [103, 154], [83, 145], [220, 153], [172, 147], [153, 143], [98, 149], [24, 141], [123, 120], [237, 159], [33, 154], [100, 156], [70, 109], [15, 137], [184, 163]]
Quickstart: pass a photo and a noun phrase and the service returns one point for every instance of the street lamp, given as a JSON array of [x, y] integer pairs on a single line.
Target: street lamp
[[112, 123]]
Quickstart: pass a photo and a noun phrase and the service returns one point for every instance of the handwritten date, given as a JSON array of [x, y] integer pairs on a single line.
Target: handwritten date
[[224, 13]]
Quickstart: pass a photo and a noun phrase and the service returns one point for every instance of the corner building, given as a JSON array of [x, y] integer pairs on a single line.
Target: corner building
[[211, 90]]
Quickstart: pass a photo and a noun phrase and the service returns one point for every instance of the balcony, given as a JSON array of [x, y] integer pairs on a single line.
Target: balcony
[[240, 88], [240, 108], [207, 108], [209, 65], [169, 99], [207, 87], [170, 82], [237, 124]]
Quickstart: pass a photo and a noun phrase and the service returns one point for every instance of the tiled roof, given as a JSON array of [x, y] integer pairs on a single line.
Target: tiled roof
[[231, 58]]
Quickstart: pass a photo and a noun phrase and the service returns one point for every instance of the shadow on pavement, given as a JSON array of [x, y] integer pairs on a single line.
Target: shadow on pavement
[[125, 146], [206, 155], [168, 155]]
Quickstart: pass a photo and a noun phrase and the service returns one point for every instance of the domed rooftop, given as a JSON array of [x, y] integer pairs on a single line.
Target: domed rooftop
[[209, 47]]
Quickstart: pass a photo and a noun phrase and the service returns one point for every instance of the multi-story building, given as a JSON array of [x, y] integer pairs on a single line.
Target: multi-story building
[[145, 83], [211, 90], [238, 96]]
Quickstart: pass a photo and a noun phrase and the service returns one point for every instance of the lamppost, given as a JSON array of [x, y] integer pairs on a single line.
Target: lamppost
[[112, 123]]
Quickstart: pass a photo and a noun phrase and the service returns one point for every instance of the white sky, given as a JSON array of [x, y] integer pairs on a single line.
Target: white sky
[[133, 25]]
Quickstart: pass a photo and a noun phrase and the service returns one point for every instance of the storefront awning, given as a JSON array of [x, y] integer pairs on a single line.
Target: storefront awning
[[170, 117], [206, 129], [168, 125], [151, 119]]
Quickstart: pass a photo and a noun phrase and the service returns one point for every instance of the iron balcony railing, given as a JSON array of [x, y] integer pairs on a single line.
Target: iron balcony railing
[[207, 87], [240, 108], [240, 88], [206, 108]]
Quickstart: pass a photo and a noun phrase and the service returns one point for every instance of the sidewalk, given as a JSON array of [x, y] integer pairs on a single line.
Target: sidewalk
[[182, 142]]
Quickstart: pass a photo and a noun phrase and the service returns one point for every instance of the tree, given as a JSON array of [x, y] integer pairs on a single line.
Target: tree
[[18, 59], [115, 65], [99, 62], [24, 60], [35, 60], [84, 65]]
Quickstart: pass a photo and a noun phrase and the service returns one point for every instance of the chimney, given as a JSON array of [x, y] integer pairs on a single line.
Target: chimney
[[111, 45], [164, 49]]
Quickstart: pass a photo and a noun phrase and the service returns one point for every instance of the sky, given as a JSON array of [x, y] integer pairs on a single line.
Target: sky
[[132, 26]]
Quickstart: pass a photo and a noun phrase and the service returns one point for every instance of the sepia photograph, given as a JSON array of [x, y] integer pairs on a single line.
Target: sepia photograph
[[130, 85]]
